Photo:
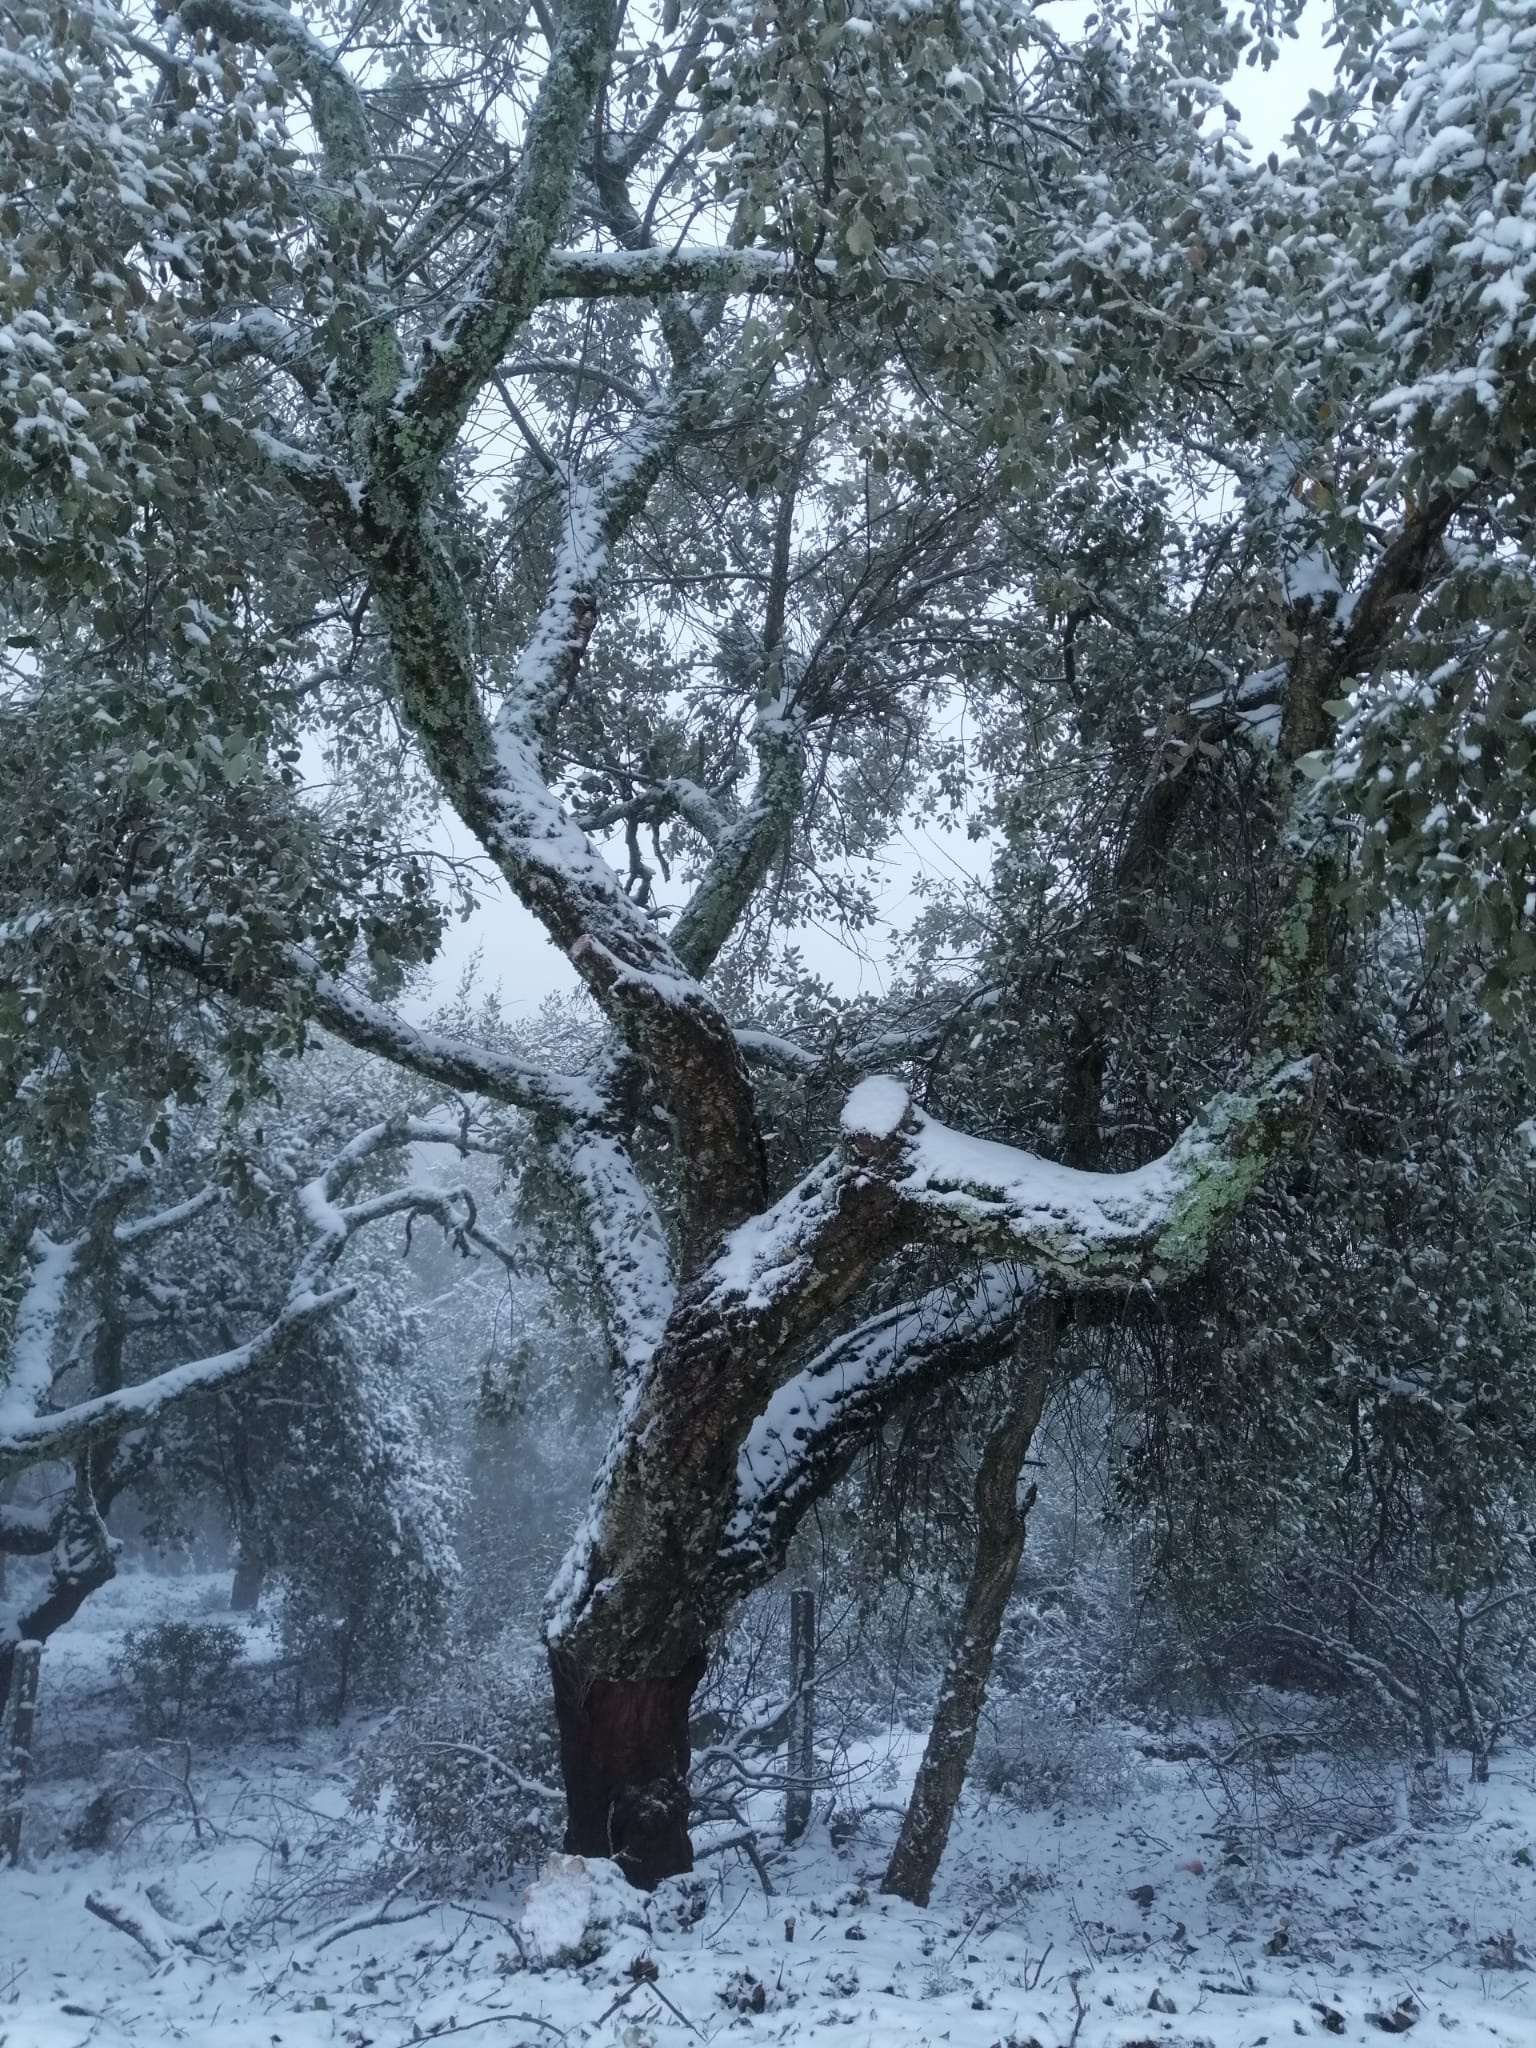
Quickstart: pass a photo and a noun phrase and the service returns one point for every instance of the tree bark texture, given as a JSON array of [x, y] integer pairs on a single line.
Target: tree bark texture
[[624, 1756], [1000, 1524], [84, 1561]]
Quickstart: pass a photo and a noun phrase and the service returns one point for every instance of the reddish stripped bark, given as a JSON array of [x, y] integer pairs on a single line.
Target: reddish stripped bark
[[624, 1759]]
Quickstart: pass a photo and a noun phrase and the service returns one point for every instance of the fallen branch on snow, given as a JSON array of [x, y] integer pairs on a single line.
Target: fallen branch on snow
[[161, 1939]]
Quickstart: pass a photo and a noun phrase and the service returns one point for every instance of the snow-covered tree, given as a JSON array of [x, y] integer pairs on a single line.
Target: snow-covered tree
[[652, 429]]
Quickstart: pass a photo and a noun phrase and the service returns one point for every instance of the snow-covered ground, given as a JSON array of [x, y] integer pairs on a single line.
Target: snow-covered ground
[[1163, 1920]]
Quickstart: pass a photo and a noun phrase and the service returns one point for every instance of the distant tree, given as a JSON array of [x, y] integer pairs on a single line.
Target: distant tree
[[153, 1293]]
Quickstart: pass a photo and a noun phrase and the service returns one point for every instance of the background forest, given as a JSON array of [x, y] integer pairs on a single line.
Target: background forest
[[735, 1428]]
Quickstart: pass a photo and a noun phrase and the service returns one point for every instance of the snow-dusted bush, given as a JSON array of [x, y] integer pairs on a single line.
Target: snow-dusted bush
[[176, 1671], [469, 1773], [361, 1499], [1038, 1759]]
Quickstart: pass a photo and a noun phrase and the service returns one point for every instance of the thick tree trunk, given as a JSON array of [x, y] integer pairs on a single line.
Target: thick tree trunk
[[250, 1575], [624, 1758], [1000, 1521]]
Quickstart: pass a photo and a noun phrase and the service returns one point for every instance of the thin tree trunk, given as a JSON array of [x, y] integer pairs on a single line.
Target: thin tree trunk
[[1000, 1518], [26, 1662], [1000, 1522], [624, 1757]]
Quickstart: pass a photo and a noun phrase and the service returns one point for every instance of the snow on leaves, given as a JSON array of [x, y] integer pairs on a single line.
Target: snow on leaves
[[1450, 225]]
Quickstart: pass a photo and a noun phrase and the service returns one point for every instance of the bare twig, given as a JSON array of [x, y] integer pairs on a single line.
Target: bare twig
[[1082, 2010], [746, 1841]]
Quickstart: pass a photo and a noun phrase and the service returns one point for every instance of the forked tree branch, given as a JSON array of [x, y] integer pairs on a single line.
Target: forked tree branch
[[420, 421]]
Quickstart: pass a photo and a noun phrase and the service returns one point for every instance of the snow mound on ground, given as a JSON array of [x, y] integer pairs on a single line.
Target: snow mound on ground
[[572, 1908]]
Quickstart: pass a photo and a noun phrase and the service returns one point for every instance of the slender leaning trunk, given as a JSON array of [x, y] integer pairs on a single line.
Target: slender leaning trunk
[[624, 1758], [16, 1769], [1000, 1524]]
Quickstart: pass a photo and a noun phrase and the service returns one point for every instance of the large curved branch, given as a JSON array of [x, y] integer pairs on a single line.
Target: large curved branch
[[665, 1016], [76, 1428], [897, 1177], [1086, 1231], [817, 1420], [1090, 1231]]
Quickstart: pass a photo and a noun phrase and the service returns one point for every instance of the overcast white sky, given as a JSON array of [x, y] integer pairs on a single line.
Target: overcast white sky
[[519, 961]]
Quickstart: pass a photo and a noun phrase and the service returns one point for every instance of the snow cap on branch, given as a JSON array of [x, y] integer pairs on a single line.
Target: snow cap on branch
[[876, 1109]]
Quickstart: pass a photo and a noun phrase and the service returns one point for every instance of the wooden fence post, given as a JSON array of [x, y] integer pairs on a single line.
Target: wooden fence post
[[802, 1714]]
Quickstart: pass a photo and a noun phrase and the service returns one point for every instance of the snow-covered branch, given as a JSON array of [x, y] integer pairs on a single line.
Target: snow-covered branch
[[457, 361], [335, 103], [664, 273], [769, 1049], [744, 851], [435, 1056], [318, 1197], [263, 336], [31, 1434], [817, 1420], [596, 515], [26, 1531], [1154, 1225], [899, 1176], [137, 1228], [30, 1373], [675, 796], [495, 781], [27, 1374], [630, 1252], [60, 1434]]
